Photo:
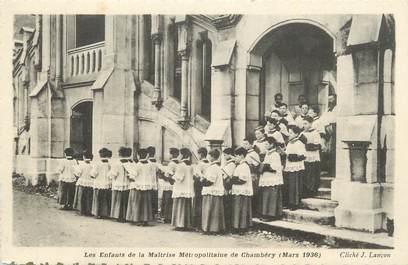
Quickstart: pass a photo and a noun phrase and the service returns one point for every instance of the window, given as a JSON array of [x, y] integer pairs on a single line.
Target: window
[[177, 66], [206, 80], [89, 29], [149, 48]]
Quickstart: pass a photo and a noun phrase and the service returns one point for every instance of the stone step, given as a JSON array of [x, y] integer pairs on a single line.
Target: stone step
[[320, 205], [325, 182], [337, 237], [308, 216], [324, 193]]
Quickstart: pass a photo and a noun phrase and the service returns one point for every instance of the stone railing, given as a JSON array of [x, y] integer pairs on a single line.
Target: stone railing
[[86, 60]]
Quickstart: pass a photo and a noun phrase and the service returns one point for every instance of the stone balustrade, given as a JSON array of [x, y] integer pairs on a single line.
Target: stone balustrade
[[86, 59]]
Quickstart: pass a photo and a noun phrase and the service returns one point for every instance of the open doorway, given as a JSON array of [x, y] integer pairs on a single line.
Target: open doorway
[[297, 58], [81, 127]]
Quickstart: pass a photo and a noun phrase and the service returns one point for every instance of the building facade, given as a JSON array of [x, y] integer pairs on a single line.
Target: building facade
[[92, 81]]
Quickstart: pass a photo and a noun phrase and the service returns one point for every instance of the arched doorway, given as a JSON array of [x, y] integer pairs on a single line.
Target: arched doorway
[[294, 58], [81, 127], [297, 59]]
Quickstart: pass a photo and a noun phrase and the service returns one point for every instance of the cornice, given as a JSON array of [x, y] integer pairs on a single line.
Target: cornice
[[219, 21]]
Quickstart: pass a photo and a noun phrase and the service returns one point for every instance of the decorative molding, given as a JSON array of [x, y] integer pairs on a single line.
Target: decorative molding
[[254, 68], [157, 101], [220, 21], [184, 123], [77, 84], [184, 35], [156, 38], [184, 53]]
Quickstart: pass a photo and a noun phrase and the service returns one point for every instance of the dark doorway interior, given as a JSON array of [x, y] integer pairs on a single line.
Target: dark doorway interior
[[81, 127]]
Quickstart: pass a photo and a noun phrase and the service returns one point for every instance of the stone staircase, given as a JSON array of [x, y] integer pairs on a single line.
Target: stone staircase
[[317, 210]]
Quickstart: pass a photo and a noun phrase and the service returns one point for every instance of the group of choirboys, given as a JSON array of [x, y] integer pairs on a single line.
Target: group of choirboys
[[221, 192]]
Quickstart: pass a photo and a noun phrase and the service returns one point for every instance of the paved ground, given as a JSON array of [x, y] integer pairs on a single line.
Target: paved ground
[[39, 222]]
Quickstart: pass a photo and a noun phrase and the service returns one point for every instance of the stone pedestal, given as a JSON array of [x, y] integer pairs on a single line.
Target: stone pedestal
[[360, 200], [359, 207]]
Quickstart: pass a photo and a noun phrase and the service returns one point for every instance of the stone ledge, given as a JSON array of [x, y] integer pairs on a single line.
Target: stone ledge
[[308, 216], [347, 237], [320, 205]]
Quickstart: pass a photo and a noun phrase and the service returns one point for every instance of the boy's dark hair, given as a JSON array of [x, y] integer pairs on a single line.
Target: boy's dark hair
[[278, 95], [174, 152], [77, 156], [69, 151], [309, 119], [202, 151], [294, 128], [214, 153], [240, 151], [275, 111], [109, 153], [185, 152], [273, 121], [129, 152], [123, 151], [151, 150], [103, 152], [228, 151], [87, 155], [284, 104], [142, 153]]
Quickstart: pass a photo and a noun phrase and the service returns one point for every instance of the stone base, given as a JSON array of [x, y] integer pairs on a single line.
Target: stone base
[[365, 220], [37, 170], [356, 195], [360, 205]]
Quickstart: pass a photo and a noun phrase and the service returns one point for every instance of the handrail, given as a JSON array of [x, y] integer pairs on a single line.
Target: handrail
[[87, 47]]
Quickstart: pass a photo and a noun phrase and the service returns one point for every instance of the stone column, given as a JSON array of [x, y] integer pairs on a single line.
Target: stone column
[[157, 95], [183, 31], [58, 51], [184, 84]]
